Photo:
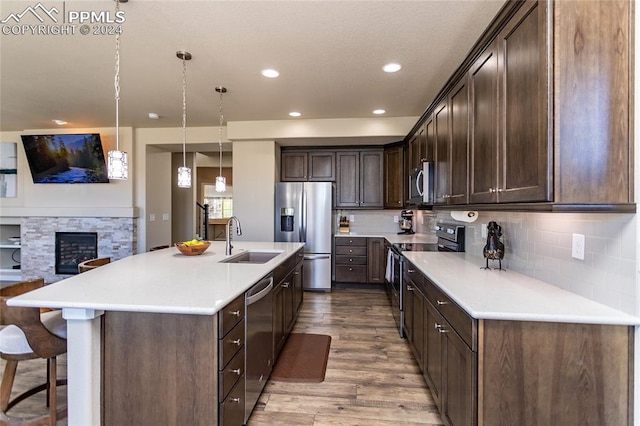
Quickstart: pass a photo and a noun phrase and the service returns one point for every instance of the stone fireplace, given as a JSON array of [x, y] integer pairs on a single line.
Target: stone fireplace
[[116, 238]]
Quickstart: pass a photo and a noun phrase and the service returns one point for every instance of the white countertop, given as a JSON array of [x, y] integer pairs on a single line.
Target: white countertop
[[394, 238], [163, 281], [492, 294]]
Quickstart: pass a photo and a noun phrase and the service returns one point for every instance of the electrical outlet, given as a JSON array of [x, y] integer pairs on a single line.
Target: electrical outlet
[[483, 231], [577, 246], [352, 218], [396, 219], [165, 216], [152, 217]]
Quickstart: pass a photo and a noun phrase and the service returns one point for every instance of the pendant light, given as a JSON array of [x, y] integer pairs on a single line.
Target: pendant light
[[184, 172], [221, 181], [117, 166]]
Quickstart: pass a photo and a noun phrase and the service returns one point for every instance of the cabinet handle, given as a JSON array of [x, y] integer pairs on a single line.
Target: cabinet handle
[[350, 269], [491, 190], [285, 285], [443, 330], [436, 325], [350, 251], [409, 288], [399, 202], [237, 342], [350, 260], [350, 241], [411, 271], [235, 313], [236, 400], [296, 273], [237, 371], [440, 302], [499, 189]]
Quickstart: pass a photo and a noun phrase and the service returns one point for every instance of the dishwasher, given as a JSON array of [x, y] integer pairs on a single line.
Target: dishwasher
[[258, 341]]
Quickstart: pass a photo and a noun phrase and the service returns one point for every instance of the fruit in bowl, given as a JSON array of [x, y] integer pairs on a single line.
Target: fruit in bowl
[[193, 247]]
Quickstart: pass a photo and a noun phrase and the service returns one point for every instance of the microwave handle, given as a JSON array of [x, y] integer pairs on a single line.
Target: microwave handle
[[418, 182]]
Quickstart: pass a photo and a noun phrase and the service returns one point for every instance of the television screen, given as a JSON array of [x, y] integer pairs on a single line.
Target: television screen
[[66, 158]]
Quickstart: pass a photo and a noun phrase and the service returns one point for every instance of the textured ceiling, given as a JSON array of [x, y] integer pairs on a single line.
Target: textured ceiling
[[329, 54]]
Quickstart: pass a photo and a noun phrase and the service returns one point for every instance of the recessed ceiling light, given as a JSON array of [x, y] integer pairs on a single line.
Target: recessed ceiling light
[[392, 67], [59, 122], [295, 114], [379, 111], [154, 116], [270, 73]]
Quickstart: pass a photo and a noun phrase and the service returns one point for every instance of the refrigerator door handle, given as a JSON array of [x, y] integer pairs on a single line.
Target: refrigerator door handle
[[303, 227], [316, 256], [301, 218]]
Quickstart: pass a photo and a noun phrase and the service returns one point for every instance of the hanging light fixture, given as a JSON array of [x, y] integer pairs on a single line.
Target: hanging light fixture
[[221, 181], [117, 166], [184, 172]]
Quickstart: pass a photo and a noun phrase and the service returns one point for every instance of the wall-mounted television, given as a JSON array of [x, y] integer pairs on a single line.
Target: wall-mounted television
[[66, 158]]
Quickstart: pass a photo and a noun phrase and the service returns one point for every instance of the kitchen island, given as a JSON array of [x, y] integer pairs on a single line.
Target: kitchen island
[[165, 288]]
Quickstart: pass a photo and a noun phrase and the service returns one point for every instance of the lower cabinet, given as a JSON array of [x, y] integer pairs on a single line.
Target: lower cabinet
[[359, 259], [287, 299], [504, 372]]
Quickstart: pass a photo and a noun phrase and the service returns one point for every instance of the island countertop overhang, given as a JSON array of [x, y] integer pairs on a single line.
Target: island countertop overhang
[[162, 281]]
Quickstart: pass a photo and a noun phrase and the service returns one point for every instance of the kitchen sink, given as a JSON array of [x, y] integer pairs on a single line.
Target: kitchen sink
[[251, 256]]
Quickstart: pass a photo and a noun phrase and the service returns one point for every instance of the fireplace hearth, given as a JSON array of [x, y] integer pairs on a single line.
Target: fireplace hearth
[[73, 248]]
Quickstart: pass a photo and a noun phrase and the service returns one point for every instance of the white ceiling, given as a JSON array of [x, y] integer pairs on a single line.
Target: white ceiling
[[329, 54]]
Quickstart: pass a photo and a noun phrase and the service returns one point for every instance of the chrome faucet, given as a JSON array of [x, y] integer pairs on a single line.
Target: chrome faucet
[[228, 245]]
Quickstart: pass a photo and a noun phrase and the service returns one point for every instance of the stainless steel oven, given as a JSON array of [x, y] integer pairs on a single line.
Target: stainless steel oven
[[450, 238]]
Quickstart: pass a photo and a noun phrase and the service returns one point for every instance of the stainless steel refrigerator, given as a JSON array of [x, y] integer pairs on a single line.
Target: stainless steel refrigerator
[[303, 214]]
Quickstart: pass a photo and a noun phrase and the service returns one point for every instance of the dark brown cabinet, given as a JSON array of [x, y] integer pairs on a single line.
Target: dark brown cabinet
[[375, 260], [393, 177], [459, 144], [312, 166], [512, 165], [287, 299], [414, 315], [359, 259], [359, 178], [442, 153]]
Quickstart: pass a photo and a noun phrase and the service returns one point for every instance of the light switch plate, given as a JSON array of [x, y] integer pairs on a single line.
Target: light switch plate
[[577, 246], [165, 216], [352, 218], [396, 219], [483, 230], [152, 217]]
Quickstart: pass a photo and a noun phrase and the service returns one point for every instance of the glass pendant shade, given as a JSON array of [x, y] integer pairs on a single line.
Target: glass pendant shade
[[117, 167], [221, 184], [184, 177]]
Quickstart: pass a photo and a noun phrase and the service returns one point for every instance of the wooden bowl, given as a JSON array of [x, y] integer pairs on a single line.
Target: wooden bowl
[[193, 250]]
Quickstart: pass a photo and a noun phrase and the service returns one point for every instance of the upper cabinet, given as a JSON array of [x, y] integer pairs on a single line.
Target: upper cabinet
[[538, 115], [393, 177], [312, 166], [359, 177]]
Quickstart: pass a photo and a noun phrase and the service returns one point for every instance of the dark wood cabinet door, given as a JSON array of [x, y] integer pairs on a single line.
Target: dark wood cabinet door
[[371, 177], [524, 151], [415, 149], [433, 353], [418, 321], [298, 289], [287, 292], [293, 167], [429, 140], [483, 152], [375, 260], [407, 307], [459, 102], [348, 179], [322, 166], [459, 402], [278, 320], [442, 154], [393, 177]]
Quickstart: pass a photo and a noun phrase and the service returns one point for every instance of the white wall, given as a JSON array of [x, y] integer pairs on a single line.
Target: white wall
[[158, 179], [254, 174]]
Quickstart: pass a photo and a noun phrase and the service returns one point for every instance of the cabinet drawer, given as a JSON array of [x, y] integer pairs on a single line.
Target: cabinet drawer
[[463, 324], [230, 344], [351, 241], [351, 274], [231, 314], [351, 250], [232, 409], [351, 260], [230, 375]]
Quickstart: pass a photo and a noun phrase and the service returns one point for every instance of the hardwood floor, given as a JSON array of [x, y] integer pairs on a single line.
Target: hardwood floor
[[371, 379]]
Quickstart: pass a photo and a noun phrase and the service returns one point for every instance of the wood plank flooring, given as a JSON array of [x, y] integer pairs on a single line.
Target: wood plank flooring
[[372, 378]]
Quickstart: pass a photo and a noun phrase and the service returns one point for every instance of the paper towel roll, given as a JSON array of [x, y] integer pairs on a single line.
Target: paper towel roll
[[465, 216]]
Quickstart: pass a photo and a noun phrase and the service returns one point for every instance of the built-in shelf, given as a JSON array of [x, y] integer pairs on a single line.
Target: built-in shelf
[[10, 245]]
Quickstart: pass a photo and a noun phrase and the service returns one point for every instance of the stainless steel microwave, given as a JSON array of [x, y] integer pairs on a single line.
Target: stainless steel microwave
[[421, 188]]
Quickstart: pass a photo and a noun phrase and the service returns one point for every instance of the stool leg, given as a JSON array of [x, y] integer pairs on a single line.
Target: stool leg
[[51, 389], [7, 383]]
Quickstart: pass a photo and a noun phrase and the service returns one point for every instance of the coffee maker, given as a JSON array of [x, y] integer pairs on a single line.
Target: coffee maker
[[406, 222]]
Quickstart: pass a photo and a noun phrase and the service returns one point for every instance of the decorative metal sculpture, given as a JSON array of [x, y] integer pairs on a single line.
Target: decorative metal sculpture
[[494, 249]]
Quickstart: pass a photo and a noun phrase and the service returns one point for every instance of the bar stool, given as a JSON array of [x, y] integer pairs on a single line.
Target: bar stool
[[90, 264], [28, 334]]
